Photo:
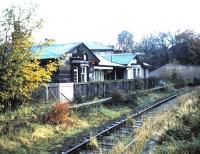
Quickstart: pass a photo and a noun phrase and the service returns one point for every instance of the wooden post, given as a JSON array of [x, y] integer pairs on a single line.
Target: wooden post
[[46, 93]]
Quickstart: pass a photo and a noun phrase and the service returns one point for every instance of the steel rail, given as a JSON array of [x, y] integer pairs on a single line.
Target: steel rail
[[133, 141], [74, 149]]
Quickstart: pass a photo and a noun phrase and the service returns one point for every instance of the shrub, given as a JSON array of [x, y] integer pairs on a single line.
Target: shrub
[[196, 81], [133, 100], [139, 83], [118, 96], [179, 83], [58, 114], [179, 133]]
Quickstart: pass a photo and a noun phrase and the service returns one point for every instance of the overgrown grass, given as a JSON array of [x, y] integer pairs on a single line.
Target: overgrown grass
[[37, 137], [174, 131]]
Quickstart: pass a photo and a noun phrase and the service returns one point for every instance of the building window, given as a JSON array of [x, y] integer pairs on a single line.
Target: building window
[[84, 57], [83, 74], [75, 71], [98, 75], [138, 72], [134, 73]]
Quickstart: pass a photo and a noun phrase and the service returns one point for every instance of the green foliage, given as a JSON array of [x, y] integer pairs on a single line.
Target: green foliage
[[20, 70], [178, 134]]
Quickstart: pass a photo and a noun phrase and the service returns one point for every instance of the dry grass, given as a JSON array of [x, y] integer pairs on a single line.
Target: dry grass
[[94, 143], [39, 137], [156, 126], [130, 121], [117, 148], [58, 114]]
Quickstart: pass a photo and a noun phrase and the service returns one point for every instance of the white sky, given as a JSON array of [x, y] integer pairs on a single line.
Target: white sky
[[102, 20]]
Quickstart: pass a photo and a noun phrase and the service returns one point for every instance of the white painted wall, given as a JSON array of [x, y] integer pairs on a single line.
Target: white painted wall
[[142, 72], [129, 73], [133, 65], [147, 72], [102, 53]]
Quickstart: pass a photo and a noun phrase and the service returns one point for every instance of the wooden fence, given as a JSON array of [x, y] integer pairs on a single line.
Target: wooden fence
[[90, 90], [58, 92], [48, 93]]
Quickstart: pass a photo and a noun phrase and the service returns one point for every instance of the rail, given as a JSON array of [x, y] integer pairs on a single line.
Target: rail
[[121, 122]]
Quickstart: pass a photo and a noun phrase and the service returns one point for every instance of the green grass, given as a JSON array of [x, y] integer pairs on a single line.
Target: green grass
[[38, 137]]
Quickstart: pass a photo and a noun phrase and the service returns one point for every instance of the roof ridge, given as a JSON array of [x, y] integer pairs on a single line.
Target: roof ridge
[[56, 44]]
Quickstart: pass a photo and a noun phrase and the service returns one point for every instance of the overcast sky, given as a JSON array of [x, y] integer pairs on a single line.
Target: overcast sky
[[102, 20]]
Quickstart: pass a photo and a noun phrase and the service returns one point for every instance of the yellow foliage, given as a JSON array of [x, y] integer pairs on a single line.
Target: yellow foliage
[[21, 72]]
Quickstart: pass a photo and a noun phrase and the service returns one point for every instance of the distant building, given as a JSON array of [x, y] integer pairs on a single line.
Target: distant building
[[83, 62], [76, 61], [114, 64], [134, 67]]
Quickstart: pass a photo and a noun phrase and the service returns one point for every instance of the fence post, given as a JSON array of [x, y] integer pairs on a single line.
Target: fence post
[[88, 89], [46, 93], [123, 86]]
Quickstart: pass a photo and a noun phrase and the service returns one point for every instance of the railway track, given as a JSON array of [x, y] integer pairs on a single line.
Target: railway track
[[102, 140]]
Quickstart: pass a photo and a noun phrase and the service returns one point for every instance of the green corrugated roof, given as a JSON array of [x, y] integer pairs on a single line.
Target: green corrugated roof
[[123, 59], [53, 51], [97, 46]]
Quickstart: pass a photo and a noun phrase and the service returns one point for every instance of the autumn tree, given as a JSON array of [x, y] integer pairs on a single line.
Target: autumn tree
[[20, 70], [186, 49], [125, 41]]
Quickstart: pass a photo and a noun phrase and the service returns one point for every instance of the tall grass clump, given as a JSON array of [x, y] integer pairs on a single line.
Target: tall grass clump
[[175, 130], [58, 114]]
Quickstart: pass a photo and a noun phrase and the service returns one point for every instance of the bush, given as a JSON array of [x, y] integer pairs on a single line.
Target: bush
[[179, 83], [179, 133], [58, 114], [134, 100], [196, 81], [139, 83], [118, 96]]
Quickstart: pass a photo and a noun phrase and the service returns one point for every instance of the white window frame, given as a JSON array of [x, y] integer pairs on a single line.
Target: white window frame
[[84, 74], [75, 70]]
